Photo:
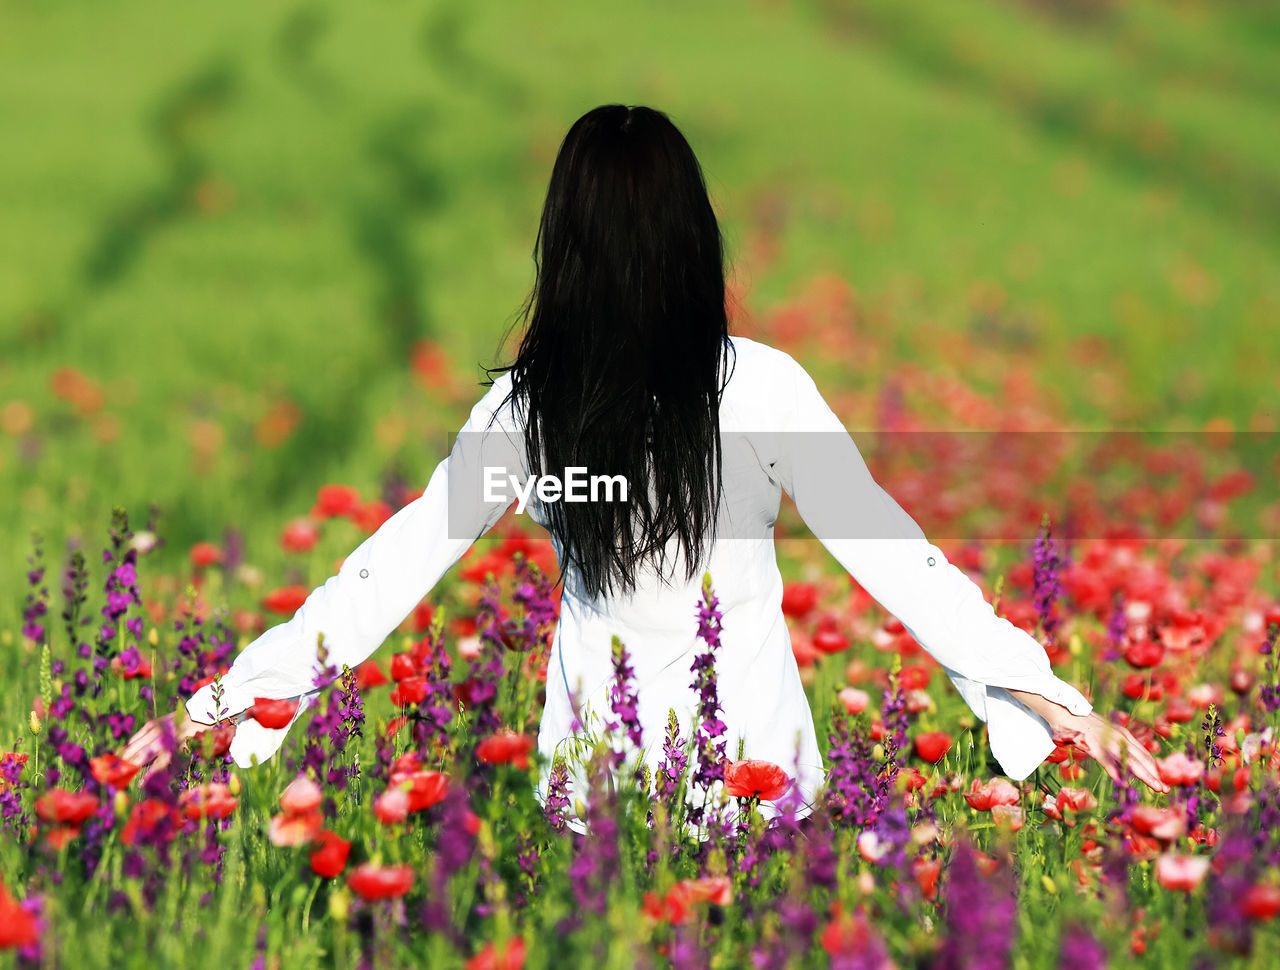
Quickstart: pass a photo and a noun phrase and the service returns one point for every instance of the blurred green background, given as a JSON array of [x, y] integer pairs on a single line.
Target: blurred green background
[[235, 222]]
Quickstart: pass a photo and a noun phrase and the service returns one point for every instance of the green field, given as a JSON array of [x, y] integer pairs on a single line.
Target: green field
[[209, 210]]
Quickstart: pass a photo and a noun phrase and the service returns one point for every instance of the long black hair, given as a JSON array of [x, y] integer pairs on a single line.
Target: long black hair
[[621, 366]]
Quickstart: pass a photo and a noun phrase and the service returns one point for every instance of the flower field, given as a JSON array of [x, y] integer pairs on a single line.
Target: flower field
[[400, 825], [1027, 251]]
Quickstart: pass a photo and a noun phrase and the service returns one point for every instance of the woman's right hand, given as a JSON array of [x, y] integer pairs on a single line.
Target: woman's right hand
[[146, 748]]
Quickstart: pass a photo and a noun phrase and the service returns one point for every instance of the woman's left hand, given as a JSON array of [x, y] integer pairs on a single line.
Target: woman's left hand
[[146, 747], [1104, 741], [1098, 737]]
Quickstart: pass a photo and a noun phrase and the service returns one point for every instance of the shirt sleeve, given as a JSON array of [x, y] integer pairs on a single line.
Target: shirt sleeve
[[884, 549], [379, 583]]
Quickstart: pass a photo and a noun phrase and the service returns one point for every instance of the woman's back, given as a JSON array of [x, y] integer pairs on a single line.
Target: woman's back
[[759, 689]]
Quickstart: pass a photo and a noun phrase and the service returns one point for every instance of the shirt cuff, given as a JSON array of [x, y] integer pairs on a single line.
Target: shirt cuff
[[1019, 738]]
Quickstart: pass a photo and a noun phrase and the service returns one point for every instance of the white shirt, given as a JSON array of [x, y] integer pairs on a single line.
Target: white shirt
[[777, 434]]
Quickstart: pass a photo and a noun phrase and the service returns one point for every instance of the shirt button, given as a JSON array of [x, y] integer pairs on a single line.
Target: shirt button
[[364, 573], [931, 561]]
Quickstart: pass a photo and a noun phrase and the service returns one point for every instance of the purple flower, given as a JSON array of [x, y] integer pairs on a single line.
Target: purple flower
[[435, 710], [674, 763], [624, 703], [1237, 866], [596, 862], [1080, 951], [980, 915], [11, 811], [487, 670], [855, 789], [711, 731], [557, 804], [1046, 570], [37, 604]]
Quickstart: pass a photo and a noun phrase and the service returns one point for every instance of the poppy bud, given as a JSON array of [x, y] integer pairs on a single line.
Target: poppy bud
[[339, 904]]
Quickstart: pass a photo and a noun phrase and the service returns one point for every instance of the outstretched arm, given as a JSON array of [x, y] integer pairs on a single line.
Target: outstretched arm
[[379, 584], [985, 656]]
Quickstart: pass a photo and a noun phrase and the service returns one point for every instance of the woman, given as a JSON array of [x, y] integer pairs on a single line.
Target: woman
[[627, 368]]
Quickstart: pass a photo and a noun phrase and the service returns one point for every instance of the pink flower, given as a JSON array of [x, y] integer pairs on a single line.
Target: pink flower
[[392, 806], [1178, 769], [294, 830], [1175, 871], [1010, 815], [301, 797], [855, 701], [993, 792]]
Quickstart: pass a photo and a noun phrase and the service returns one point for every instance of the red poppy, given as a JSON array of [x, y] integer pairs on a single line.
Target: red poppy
[[369, 674], [272, 713], [830, 640], [17, 926], [1261, 901], [1178, 769], [411, 690], [1165, 824], [803, 650], [286, 600], [506, 747], [66, 807], [300, 535], [1178, 871], [331, 857], [1135, 685], [855, 701], [222, 738], [395, 724], [425, 788], [482, 566], [755, 779], [141, 669], [1179, 710], [301, 796], [673, 907], [1144, 653], [510, 956], [430, 363], [993, 792], [335, 500], [212, 799], [371, 516], [294, 830], [392, 806], [914, 677], [932, 745], [799, 599], [926, 872], [402, 666], [60, 835], [146, 817], [423, 614], [204, 554], [111, 769], [370, 881], [709, 889], [846, 933]]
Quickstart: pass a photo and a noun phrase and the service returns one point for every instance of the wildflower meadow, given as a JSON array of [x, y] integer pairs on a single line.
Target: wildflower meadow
[[258, 251]]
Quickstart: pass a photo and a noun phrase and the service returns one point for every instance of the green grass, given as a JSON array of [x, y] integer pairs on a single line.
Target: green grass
[[372, 173]]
